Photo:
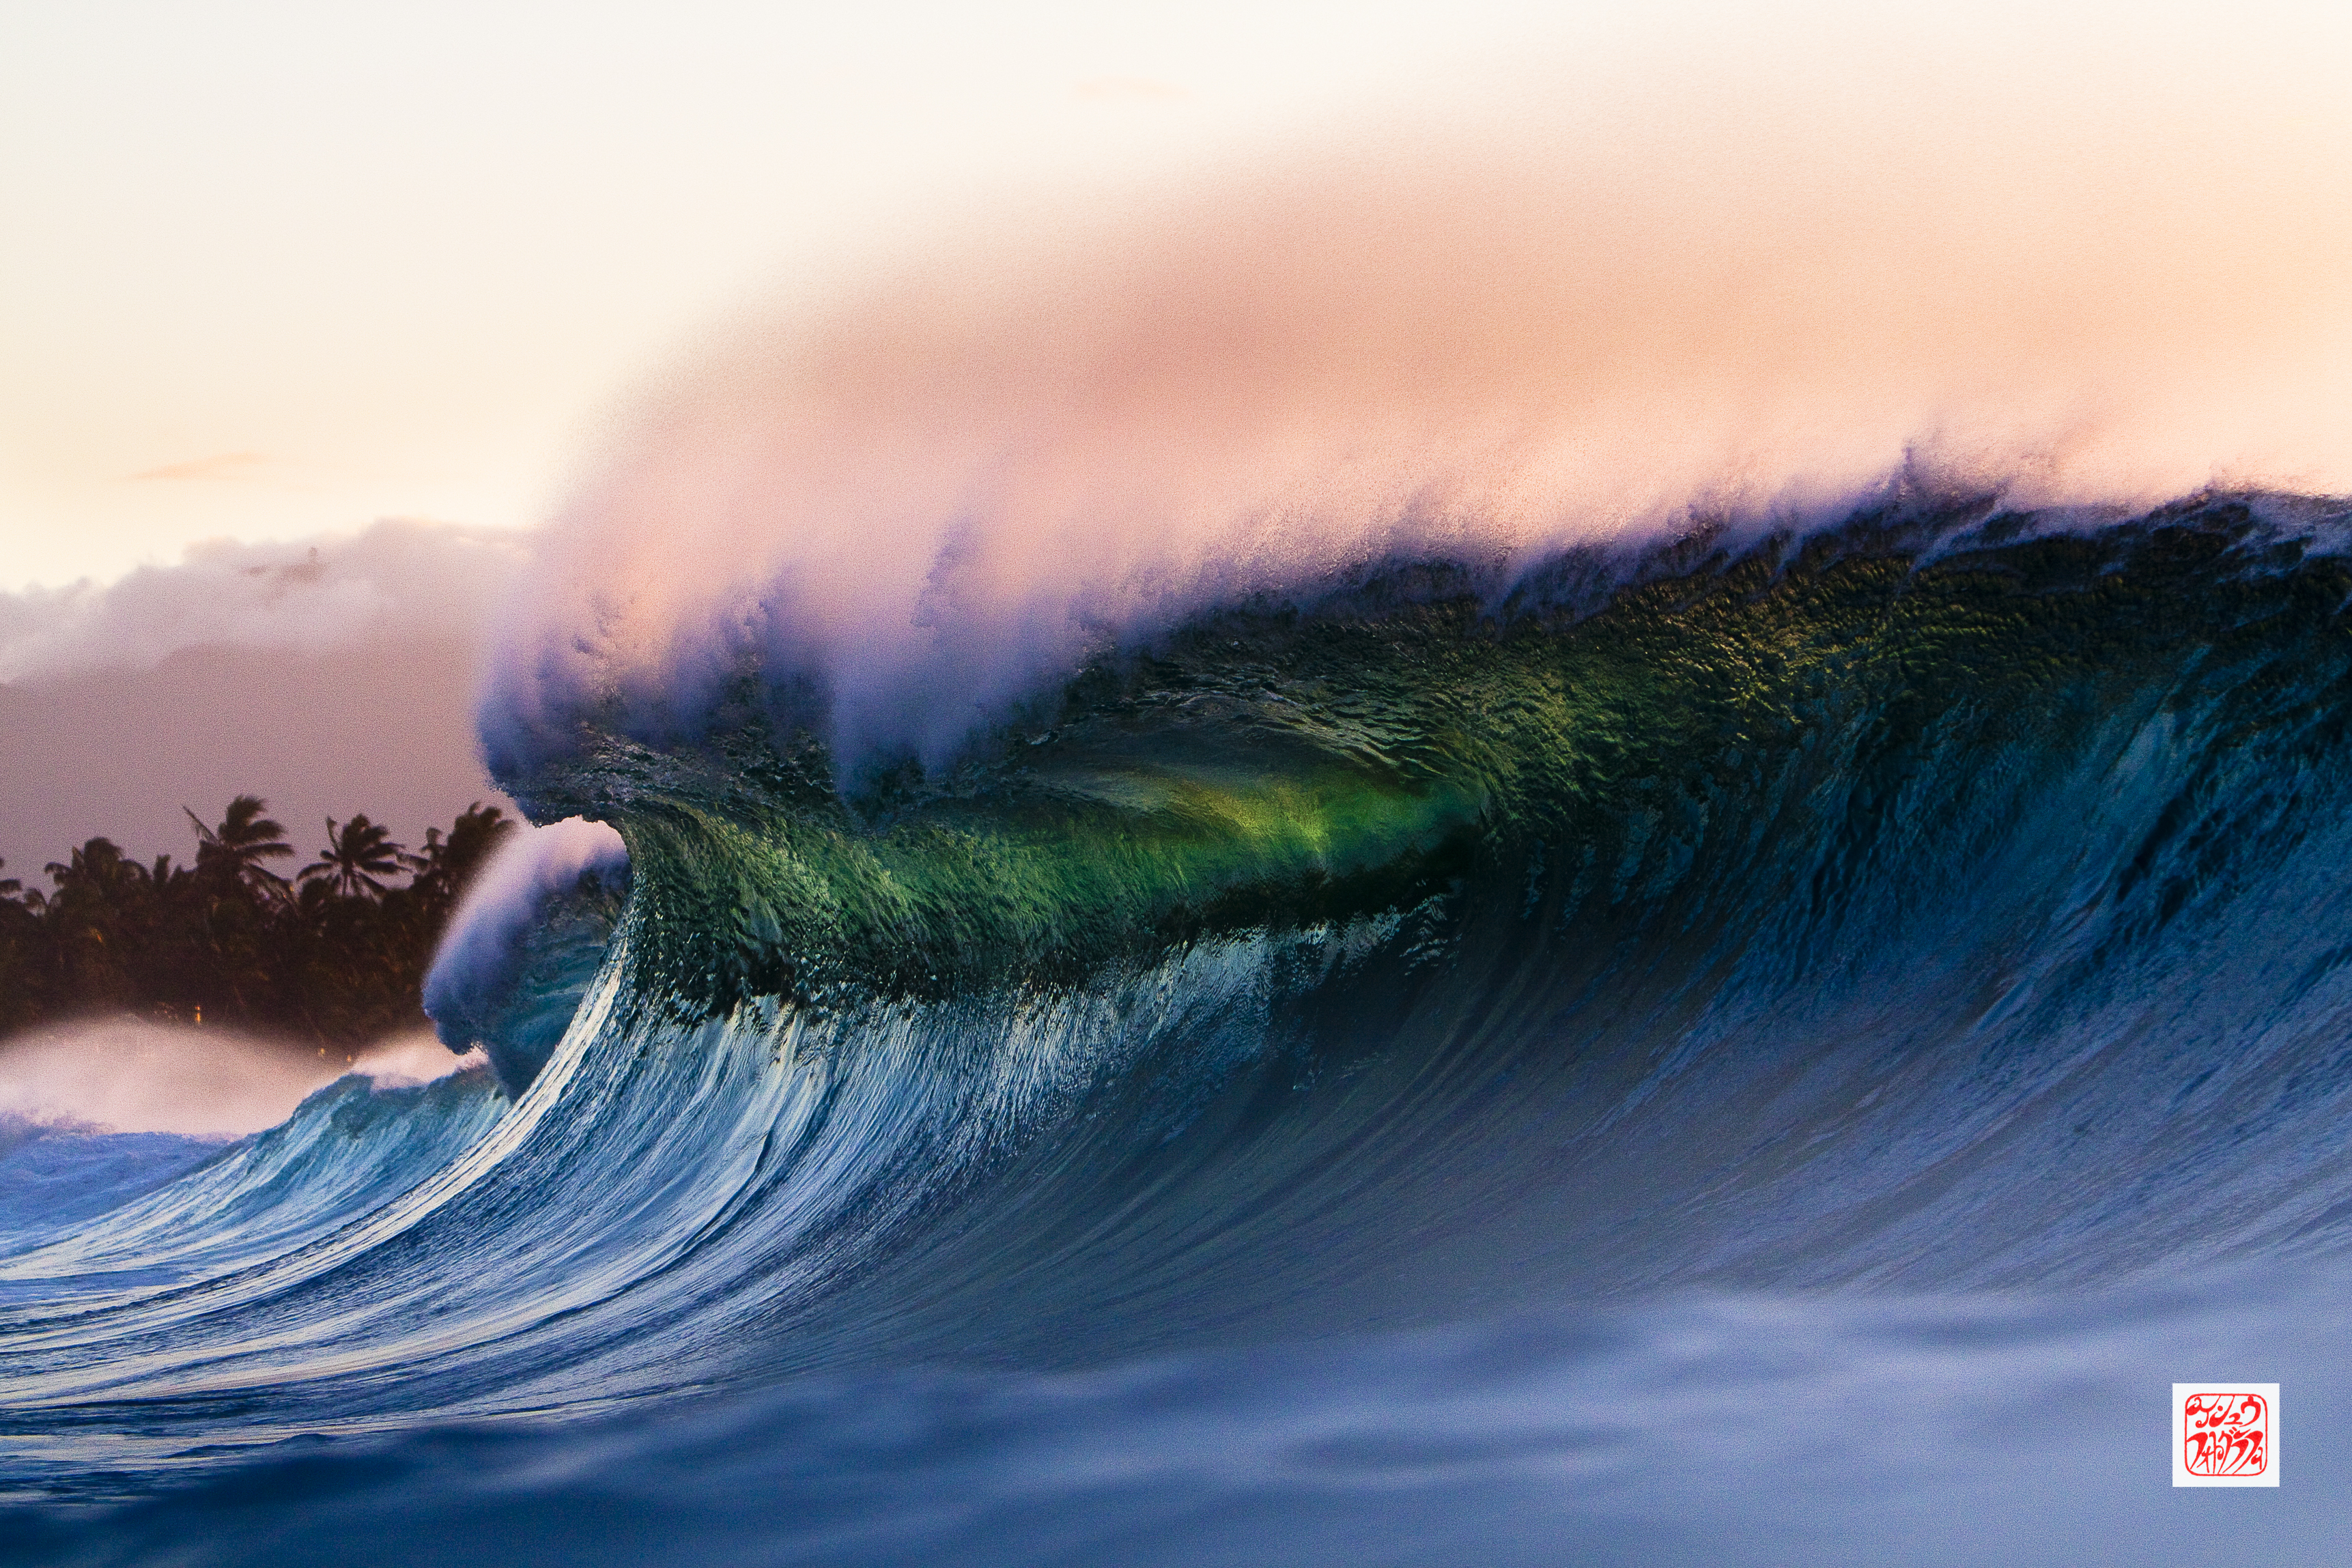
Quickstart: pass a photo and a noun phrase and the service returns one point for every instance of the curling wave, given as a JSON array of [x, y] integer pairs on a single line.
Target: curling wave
[[1401, 982]]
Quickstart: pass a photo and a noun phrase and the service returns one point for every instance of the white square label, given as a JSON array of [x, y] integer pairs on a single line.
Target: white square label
[[2225, 1434]]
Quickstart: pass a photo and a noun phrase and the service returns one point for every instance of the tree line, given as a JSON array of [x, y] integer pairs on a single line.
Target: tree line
[[334, 954]]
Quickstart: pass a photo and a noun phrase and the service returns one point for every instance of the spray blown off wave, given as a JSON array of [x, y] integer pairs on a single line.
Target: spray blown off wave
[[1569, 317]]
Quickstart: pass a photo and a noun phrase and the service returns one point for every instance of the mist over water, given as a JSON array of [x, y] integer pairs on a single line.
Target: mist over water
[[125, 1075], [129, 1075], [97, 1115]]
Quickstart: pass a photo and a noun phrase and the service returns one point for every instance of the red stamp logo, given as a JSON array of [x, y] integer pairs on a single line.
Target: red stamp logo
[[2225, 1434]]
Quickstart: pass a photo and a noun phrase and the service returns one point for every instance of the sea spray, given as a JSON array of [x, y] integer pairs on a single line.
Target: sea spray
[[519, 951]]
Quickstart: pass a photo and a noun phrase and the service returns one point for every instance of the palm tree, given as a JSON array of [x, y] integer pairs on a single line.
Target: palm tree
[[448, 864], [246, 837], [22, 993], [99, 869], [95, 919], [357, 856]]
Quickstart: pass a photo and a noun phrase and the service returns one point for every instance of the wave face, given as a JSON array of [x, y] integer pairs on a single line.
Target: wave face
[[1757, 1050]]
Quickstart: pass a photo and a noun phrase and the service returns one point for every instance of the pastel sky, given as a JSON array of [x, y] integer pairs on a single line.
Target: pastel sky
[[275, 270], [272, 273]]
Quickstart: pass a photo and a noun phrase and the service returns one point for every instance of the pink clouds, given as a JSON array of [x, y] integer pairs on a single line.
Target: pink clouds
[[397, 579]]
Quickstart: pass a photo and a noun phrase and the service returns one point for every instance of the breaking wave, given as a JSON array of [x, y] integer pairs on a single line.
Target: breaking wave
[[1312, 1079]]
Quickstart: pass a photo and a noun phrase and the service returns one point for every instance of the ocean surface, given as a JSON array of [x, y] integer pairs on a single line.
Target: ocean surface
[[1774, 1050]]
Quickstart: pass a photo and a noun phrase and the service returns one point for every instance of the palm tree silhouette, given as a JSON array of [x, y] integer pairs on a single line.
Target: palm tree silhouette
[[246, 837], [94, 919], [448, 864], [358, 855], [99, 871], [335, 953]]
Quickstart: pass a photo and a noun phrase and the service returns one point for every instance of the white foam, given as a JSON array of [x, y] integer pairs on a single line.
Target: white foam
[[474, 961], [414, 1059]]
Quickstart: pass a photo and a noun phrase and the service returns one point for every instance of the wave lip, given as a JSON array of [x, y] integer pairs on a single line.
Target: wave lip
[[516, 960], [1302, 757]]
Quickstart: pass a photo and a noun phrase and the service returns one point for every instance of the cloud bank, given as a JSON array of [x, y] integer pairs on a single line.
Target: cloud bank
[[1731, 270], [397, 581], [330, 683]]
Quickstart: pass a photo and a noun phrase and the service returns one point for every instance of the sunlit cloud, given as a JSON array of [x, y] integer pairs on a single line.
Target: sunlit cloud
[[400, 578], [226, 466]]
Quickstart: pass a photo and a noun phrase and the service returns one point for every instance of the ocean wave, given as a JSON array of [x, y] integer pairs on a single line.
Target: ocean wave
[[1930, 909]]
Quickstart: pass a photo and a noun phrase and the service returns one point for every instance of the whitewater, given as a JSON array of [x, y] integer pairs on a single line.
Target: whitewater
[[1549, 850]]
